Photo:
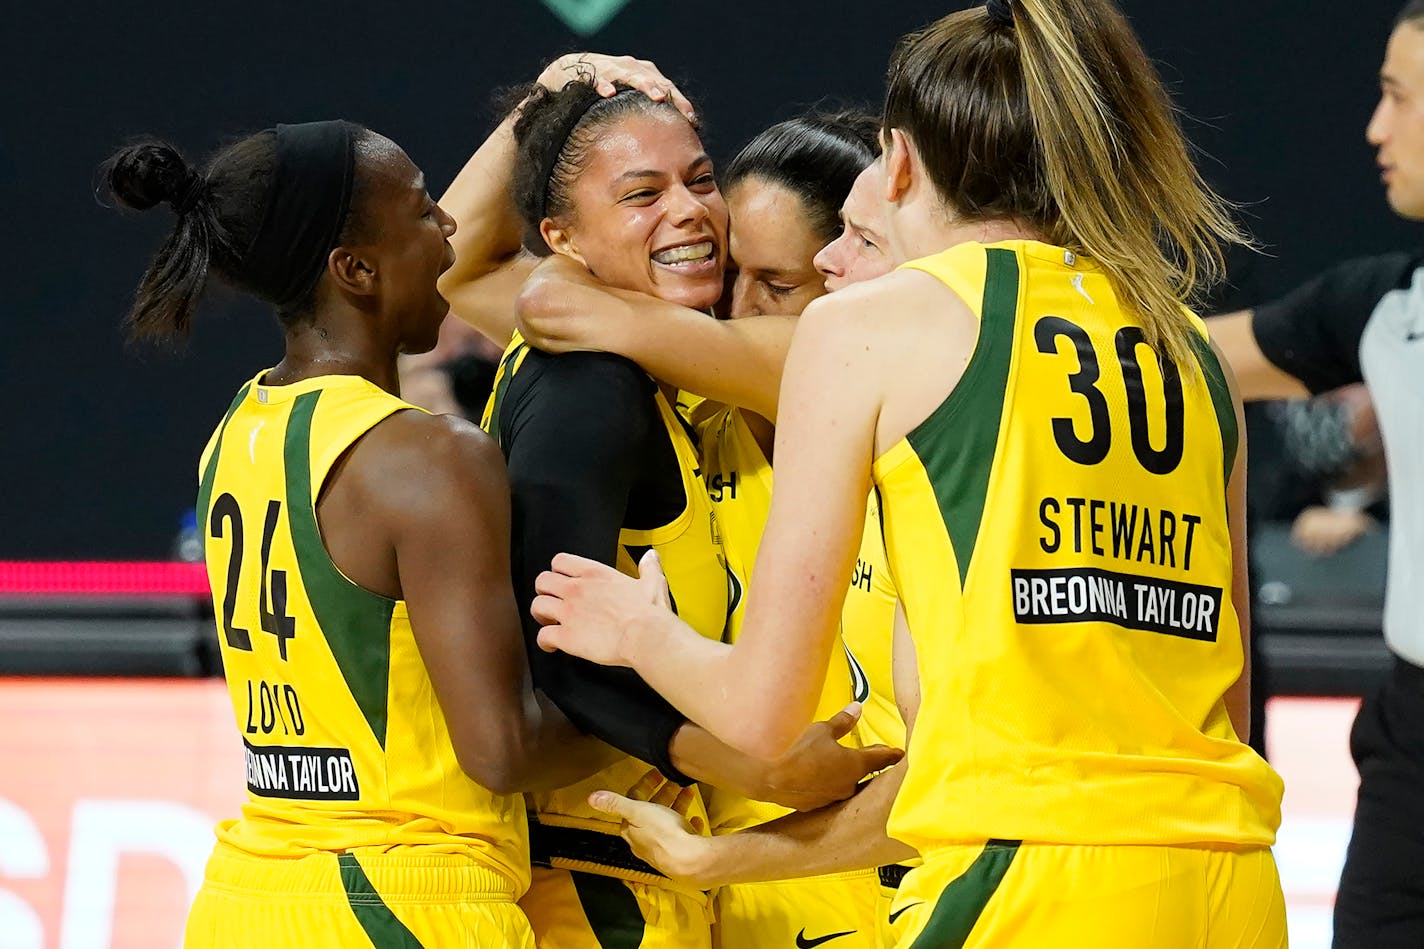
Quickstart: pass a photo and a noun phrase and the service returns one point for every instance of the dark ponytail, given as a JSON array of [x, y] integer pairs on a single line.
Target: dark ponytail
[[222, 209], [218, 211], [140, 177]]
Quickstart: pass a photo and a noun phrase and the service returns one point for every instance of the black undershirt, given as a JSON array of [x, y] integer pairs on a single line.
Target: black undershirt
[[588, 454]]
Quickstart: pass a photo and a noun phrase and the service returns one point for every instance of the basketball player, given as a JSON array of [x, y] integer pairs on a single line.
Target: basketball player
[[1362, 320], [1016, 398], [357, 552], [621, 184], [785, 190]]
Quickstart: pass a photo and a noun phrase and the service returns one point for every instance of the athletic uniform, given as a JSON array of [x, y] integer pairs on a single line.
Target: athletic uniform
[[601, 465], [838, 909], [867, 629], [1363, 320], [360, 827], [1058, 532]]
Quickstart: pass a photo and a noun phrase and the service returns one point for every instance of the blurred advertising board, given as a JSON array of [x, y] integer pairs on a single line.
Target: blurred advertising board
[[109, 790]]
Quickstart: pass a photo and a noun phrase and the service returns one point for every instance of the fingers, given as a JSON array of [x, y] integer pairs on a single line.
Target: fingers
[[616, 805], [550, 638], [647, 785], [650, 571], [683, 801], [651, 565], [683, 105], [843, 721], [550, 583], [667, 795], [607, 72], [547, 609], [572, 565], [877, 758]]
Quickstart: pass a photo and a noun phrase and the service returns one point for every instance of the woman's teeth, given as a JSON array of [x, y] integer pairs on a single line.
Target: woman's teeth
[[684, 254]]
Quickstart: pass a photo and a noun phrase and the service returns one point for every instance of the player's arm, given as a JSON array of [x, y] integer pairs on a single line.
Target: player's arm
[[562, 308], [489, 265], [437, 489], [1258, 377], [843, 837], [579, 429], [817, 770], [1308, 341], [758, 695], [1238, 697], [571, 477]]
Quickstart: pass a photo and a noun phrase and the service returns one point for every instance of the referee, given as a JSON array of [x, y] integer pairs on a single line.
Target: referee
[[1363, 320]]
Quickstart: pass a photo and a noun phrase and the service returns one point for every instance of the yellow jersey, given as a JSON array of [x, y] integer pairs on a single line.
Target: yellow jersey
[[739, 482], [867, 629], [345, 743], [690, 550], [1058, 533]]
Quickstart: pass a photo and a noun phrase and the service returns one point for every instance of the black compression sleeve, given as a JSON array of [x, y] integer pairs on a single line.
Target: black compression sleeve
[[1314, 331], [577, 430]]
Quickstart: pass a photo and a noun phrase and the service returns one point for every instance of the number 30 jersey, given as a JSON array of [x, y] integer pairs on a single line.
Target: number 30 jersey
[[344, 741], [1058, 531]]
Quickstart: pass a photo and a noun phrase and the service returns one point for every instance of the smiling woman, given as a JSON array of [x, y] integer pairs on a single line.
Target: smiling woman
[[601, 463], [623, 186]]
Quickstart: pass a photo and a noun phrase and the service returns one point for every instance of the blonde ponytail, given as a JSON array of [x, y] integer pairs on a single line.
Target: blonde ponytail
[[1117, 164], [1057, 119]]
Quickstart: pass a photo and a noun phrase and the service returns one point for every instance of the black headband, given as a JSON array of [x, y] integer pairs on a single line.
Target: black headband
[[570, 123], [306, 210], [1001, 12]]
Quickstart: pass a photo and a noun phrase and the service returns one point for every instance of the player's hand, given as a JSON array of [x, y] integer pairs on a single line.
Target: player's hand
[[661, 836], [549, 311], [589, 609], [606, 70], [819, 770]]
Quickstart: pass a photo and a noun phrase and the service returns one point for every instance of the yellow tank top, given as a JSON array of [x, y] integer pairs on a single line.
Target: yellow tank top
[[867, 629], [692, 559], [739, 482], [1058, 532], [345, 742]]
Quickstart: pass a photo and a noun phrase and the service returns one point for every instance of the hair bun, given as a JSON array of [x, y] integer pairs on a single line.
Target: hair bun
[[142, 175]]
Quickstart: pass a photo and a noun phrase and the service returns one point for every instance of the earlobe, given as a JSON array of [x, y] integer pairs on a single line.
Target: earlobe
[[560, 240], [352, 273], [897, 166]]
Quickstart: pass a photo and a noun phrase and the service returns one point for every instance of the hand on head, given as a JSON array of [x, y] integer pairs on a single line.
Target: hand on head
[[609, 71]]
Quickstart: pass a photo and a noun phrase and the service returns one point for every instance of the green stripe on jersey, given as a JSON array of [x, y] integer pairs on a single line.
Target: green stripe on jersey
[[962, 902], [956, 443], [205, 484], [611, 909], [355, 622], [1220, 400], [381, 925]]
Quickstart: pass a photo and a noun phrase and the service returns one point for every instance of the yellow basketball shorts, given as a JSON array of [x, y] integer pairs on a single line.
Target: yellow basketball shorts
[[365, 897], [571, 909], [889, 923], [1050, 896], [836, 911]]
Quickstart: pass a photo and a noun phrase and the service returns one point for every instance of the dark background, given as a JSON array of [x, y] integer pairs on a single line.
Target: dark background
[[100, 442]]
